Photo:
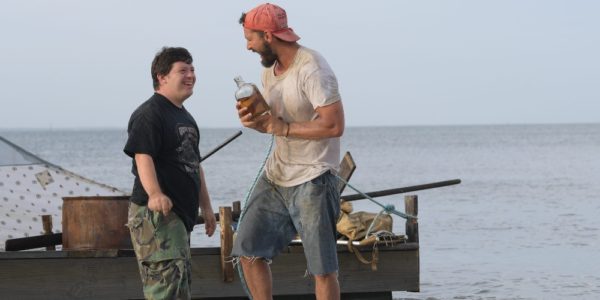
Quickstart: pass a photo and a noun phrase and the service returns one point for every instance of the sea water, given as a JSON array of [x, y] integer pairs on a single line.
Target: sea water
[[523, 224]]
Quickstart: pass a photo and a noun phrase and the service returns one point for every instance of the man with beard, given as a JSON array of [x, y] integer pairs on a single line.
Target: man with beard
[[297, 193], [169, 184]]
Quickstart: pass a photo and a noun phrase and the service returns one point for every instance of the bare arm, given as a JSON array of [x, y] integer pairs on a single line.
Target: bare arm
[[210, 223], [329, 123], [157, 201]]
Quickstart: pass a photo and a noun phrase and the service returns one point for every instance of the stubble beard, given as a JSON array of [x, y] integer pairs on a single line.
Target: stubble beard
[[268, 56]]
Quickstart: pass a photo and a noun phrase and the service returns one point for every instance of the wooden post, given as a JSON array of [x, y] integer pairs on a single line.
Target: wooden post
[[411, 207], [225, 221], [347, 167], [237, 208], [47, 224]]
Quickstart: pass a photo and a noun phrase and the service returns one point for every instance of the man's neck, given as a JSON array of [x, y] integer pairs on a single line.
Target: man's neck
[[171, 98], [285, 57]]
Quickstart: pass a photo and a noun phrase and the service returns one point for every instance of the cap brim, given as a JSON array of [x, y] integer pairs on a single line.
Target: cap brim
[[287, 35]]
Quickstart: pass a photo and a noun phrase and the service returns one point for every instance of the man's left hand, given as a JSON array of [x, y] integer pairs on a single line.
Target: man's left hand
[[210, 222]]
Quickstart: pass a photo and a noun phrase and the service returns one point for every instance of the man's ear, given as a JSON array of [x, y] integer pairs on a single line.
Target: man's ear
[[268, 36], [161, 80]]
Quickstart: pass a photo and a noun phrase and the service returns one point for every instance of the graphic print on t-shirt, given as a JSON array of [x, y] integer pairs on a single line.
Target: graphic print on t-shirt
[[188, 137]]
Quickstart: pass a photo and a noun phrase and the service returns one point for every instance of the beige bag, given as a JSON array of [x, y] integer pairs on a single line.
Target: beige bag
[[354, 226]]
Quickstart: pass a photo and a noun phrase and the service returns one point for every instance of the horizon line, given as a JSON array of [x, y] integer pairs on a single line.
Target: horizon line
[[350, 126]]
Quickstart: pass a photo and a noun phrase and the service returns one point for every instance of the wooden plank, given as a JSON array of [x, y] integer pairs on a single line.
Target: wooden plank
[[411, 207], [33, 242], [104, 276], [226, 243], [47, 225], [75, 278], [109, 253], [236, 208], [397, 271], [347, 167]]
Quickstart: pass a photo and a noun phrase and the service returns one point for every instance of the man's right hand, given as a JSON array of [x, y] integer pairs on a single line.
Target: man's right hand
[[260, 123], [159, 202]]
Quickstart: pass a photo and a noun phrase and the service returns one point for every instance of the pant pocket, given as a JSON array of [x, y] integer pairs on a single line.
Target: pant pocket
[[141, 227]]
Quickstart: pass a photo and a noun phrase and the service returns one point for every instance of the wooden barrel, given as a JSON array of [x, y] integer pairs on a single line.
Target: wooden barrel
[[91, 223]]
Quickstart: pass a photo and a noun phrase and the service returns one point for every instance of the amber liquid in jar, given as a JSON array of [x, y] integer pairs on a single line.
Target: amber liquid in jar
[[250, 97]]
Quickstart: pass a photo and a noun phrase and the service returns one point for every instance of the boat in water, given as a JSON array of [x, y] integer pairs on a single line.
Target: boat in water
[[31, 188]]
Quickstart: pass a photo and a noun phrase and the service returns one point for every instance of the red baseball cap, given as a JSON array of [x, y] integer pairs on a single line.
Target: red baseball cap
[[272, 18]]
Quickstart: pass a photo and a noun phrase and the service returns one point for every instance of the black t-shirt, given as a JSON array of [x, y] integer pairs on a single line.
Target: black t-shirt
[[171, 137]]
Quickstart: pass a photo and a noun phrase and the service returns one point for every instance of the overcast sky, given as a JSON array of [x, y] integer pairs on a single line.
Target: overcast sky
[[86, 64]]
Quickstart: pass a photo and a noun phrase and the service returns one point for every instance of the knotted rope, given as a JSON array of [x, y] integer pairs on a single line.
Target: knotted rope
[[388, 208]]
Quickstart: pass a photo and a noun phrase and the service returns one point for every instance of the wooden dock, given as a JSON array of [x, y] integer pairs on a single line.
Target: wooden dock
[[75, 273], [113, 274]]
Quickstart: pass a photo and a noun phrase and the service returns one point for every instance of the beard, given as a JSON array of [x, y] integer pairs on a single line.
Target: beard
[[268, 56]]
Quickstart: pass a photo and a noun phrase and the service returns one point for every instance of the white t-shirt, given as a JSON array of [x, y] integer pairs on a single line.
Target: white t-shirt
[[294, 95]]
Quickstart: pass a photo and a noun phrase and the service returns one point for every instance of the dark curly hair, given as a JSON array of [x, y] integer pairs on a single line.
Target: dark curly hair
[[164, 60]]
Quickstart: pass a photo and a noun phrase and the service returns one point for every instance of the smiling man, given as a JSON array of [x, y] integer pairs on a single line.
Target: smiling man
[[169, 184], [297, 194]]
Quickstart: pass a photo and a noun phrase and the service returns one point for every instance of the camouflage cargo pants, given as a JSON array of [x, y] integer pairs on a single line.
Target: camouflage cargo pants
[[162, 248]]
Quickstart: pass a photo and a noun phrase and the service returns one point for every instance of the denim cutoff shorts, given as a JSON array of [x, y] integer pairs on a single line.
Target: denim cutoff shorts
[[275, 214]]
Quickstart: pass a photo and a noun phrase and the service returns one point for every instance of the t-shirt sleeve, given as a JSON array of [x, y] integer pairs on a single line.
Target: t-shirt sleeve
[[321, 88], [143, 135]]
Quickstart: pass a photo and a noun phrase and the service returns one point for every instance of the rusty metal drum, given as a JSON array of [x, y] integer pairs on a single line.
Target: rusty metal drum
[[94, 223]]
